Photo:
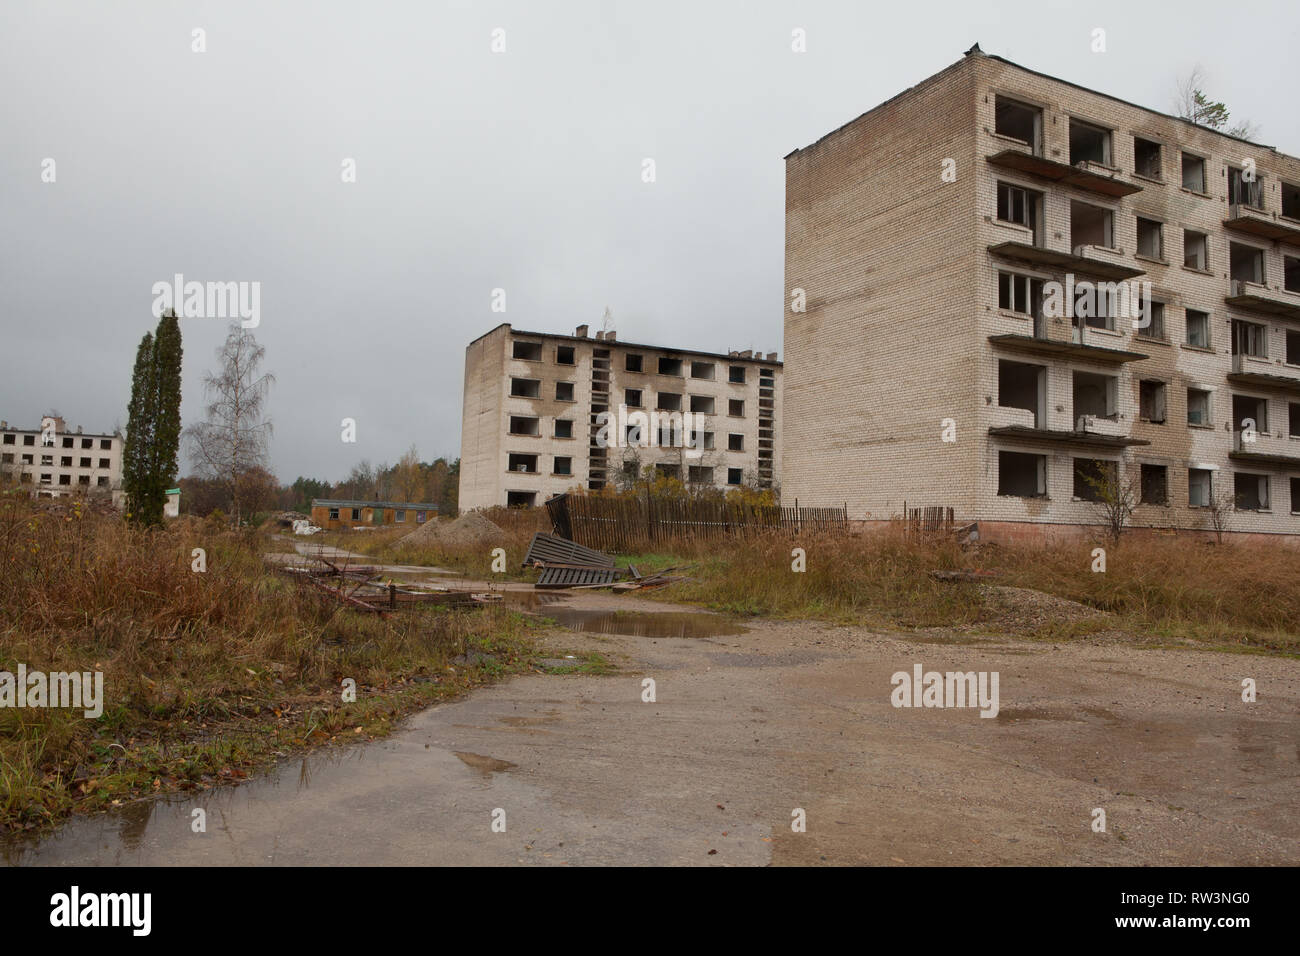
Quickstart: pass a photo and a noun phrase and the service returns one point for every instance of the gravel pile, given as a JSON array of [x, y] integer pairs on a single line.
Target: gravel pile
[[468, 530]]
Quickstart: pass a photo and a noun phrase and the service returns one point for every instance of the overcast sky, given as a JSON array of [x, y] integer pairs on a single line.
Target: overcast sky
[[474, 170]]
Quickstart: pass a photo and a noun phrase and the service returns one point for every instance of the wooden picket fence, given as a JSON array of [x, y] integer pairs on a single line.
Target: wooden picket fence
[[627, 525]]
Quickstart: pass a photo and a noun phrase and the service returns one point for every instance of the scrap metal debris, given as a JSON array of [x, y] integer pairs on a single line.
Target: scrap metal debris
[[567, 564]]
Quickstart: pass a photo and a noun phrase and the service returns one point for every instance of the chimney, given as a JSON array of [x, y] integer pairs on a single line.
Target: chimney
[[610, 335], [580, 331], [771, 356], [600, 336], [748, 353]]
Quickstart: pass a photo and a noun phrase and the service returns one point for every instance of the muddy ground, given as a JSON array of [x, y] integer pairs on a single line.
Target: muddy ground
[[748, 727]]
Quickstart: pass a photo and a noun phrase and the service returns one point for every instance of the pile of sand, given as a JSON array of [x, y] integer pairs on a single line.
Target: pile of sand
[[468, 530]]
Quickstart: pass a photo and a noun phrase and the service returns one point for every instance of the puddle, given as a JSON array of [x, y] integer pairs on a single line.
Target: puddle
[[485, 765], [640, 623]]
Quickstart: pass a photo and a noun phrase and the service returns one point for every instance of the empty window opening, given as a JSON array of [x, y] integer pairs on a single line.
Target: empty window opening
[[83, 480], [1249, 411], [65, 479], [735, 476], [1196, 253], [1245, 263], [633, 363], [1291, 209], [101, 482], [1155, 485], [704, 370], [1293, 430], [1023, 386], [736, 374], [736, 408], [563, 428], [528, 351], [1243, 192], [1021, 475], [521, 425], [1146, 157], [29, 439], [564, 391], [1151, 401], [564, 355], [702, 404], [1021, 206], [632, 397], [105, 444], [523, 463], [1094, 479], [669, 401], [667, 470], [1193, 173], [1198, 406], [1295, 496], [1089, 144], [526, 387], [67, 443], [563, 465], [1153, 318], [735, 442], [1150, 238], [670, 366], [1091, 225], [85, 463], [1019, 121], [521, 499], [1291, 274], [1292, 347], [1250, 492], [1094, 396], [87, 443], [1198, 328], [1094, 305], [700, 474], [1249, 338], [103, 463], [1199, 487], [65, 461]]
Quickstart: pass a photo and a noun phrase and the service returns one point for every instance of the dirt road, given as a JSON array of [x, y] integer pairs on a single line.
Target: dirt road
[[747, 728]]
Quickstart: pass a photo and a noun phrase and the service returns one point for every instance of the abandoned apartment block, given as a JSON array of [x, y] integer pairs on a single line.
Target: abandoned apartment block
[[52, 462], [536, 403], [931, 299]]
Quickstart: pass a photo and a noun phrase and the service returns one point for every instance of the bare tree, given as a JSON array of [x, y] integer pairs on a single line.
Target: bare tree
[[1191, 103], [233, 439], [1219, 512], [1116, 497]]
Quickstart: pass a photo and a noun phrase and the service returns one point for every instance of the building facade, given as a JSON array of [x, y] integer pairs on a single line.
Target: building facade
[[545, 413], [1022, 295], [335, 513], [52, 462]]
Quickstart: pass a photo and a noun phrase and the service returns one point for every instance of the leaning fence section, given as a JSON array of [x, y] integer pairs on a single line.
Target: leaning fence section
[[624, 525]]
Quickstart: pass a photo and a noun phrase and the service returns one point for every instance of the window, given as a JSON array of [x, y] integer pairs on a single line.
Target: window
[[563, 465], [1196, 254], [526, 388], [1250, 492], [103, 463], [1019, 205], [1293, 429], [67, 442], [1198, 406], [670, 366], [1155, 485], [736, 374], [1151, 401], [1193, 173], [83, 480], [1095, 396], [421, 517], [704, 370], [399, 516], [1245, 263], [1291, 274], [65, 461], [735, 442], [29, 439], [9, 439], [1243, 192], [632, 434], [1091, 225], [65, 479], [1247, 409], [1021, 385], [667, 470], [7, 458], [1017, 293], [564, 391], [45, 478], [668, 401], [1094, 478], [1198, 487], [1018, 121], [521, 499], [735, 476], [334, 514], [563, 428], [1088, 143], [101, 482], [27, 459], [106, 444], [523, 463], [87, 443], [1150, 238], [699, 474], [632, 397], [702, 440], [564, 355], [736, 408], [1146, 157], [47, 459], [702, 404], [85, 463], [1198, 328], [1249, 338], [1021, 475], [633, 362], [522, 425], [356, 514], [528, 351], [1153, 321]]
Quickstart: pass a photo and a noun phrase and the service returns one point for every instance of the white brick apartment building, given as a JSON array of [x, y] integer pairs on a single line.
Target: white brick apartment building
[[531, 417], [51, 461], [929, 301]]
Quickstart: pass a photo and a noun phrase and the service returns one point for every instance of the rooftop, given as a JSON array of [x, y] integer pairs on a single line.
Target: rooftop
[[756, 358]]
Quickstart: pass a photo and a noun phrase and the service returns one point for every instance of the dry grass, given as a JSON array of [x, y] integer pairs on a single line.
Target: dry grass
[[205, 674]]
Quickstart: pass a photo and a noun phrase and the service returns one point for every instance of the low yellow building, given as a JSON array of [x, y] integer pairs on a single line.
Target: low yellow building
[[335, 513]]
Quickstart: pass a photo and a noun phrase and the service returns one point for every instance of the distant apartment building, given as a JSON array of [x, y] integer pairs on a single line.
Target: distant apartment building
[[544, 413], [1019, 290], [51, 461]]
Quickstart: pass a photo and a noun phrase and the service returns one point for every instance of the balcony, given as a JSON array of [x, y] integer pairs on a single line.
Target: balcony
[[1038, 345], [1065, 261], [1259, 373], [1266, 225], [1260, 298], [1096, 179], [1266, 449], [1091, 433]]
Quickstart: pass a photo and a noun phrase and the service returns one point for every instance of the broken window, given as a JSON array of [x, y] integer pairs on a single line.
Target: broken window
[[1290, 274], [633, 363], [563, 428], [47, 459], [563, 465], [1021, 206], [83, 480], [736, 374], [65, 461], [1150, 238], [1293, 425], [1198, 487], [1094, 479], [1153, 319], [528, 351], [702, 404], [1094, 396], [1021, 475], [1291, 201], [736, 408], [520, 499], [1196, 253], [564, 355], [102, 482], [735, 476], [1249, 338], [1292, 347], [669, 401], [523, 463], [564, 391], [526, 387], [1249, 412], [1193, 173], [1250, 492], [668, 470], [1243, 192], [1021, 385], [735, 442], [27, 459], [1198, 328], [1018, 293], [1019, 121], [1245, 263], [45, 478], [1094, 305], [522, 425], [1155, 485], [700, 474], [1198, 406], [1091, 225], [1088, 143], [1146, 157], [704, 370], [1151, 401], [632, 397], [670, 366]]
